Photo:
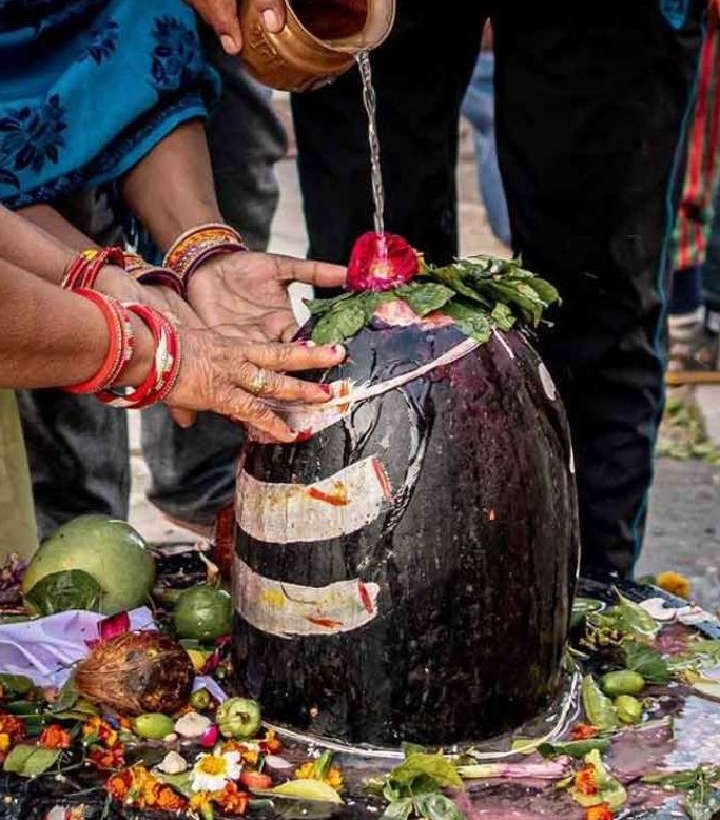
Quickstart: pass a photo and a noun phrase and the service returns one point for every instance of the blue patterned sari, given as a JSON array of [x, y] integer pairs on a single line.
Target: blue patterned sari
[[88, 87]]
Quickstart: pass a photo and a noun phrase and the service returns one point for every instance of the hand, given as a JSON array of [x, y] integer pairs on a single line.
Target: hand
[[222, 17], [246, 294], [232, 378]]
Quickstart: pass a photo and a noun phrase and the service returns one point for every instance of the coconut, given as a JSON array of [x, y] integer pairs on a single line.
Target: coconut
[[137, 672]]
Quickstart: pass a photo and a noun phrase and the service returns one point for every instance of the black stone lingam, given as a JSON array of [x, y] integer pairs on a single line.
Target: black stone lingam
[[415, 582]]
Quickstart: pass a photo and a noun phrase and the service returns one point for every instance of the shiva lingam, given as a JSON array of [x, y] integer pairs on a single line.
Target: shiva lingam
[[320, 40], [405, 571]]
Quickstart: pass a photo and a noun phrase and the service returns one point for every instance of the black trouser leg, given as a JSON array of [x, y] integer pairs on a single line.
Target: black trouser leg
[[420, 76], [589, 117]]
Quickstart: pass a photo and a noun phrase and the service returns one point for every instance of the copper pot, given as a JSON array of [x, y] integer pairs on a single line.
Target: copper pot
[[319, 41]]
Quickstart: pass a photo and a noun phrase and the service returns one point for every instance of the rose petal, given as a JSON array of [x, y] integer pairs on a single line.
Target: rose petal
[[209, 737], [381, 262], [113, 626]]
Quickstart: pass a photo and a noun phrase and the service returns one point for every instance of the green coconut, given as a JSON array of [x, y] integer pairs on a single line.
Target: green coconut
[[96, 562]]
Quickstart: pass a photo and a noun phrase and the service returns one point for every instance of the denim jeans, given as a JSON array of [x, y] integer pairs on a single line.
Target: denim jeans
[[78, 448], [479, 107]]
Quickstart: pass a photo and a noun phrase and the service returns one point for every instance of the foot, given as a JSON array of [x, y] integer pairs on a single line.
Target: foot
[[694, 350]]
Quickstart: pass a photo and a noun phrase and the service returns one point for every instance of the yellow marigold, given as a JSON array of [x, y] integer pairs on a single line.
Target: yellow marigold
[[674, 583], [4, 742], [333, 777]]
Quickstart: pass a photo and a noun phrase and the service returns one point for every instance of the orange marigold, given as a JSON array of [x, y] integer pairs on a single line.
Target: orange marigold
[[586, 780], [583, 731], [169, 800], [674, 583], [55, 737], [12, 726], [232, 800], [118, 786], [601, 812], [96, 730]]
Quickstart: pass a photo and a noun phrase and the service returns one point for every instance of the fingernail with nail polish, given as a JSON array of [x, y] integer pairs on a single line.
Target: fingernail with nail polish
[[302, 436], [327, 388]]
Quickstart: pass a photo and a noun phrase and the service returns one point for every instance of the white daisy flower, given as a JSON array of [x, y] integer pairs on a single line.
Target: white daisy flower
[[212, 772]]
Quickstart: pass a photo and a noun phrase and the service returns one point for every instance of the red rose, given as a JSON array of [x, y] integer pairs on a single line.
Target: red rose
[[381, 262]]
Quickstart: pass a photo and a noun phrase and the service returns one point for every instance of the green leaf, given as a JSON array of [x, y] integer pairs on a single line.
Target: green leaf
[[646, 661], [60, 591], [181, 783], [30, 761], [425, 297], [437, 767], [503, 316], [67, 697], [303, 789], [684, 779], [574, 748], [16, 684], [340, 323], [437, 807], [599, 710], [410, 749], [398, 809], [319, 306], [453, 277], [471, 321]]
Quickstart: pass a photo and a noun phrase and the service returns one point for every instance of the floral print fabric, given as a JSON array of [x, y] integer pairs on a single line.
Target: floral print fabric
[[87, 88]]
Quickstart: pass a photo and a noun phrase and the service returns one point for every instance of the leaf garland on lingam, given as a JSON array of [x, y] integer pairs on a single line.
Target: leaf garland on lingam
[[479, 294]]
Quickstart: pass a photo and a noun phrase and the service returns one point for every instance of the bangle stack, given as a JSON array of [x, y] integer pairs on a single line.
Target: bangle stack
[[197, 245], [120, 350], [83, 271], [163, 373], [146, 274]]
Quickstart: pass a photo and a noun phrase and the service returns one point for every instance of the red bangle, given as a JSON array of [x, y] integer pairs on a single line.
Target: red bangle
[[120, 349], [163, 373], [197, 245], [83, 270]]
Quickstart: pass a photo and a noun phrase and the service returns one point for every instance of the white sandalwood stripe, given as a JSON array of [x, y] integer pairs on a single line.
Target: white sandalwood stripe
[[286, 513], [291, 610]]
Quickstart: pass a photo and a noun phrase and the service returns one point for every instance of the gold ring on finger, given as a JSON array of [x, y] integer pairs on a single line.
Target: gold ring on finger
[[258, 383]]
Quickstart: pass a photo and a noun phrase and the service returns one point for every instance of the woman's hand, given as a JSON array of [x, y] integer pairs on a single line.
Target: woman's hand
[[246, 294], [232, 378], [222, 17]]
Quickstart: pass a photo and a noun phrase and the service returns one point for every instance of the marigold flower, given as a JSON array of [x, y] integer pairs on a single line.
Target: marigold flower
[[270, 743], [333, 776], [601, 812], [169, 800], [232, 800], [96, 730], [107, 758], [380, 263], [13, 727], [118, 786], [584, 731], [4, 742], [201, 804], [586, 781], [674, 583], [55, 737]]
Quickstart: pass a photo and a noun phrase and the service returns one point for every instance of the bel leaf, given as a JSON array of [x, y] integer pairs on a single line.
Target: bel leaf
[[320, 306], [30, 761], [437, 807], [398, 809], [340, 323], [424, 298], [574, 748], [646, 661], [16, 684], [471, 321], [61, 591], [502, 316], [437, 767]]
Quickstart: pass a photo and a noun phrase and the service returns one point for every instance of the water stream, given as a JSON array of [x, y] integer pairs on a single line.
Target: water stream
[[378, 191]]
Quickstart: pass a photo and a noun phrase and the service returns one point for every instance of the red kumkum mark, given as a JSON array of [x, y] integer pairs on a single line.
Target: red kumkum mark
[[328, 623], [382, 477], [338, 496], [365, 597]]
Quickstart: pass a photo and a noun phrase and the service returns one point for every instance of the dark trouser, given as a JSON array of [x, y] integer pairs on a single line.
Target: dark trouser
[[77, 447], [590, 111], [711, 269]]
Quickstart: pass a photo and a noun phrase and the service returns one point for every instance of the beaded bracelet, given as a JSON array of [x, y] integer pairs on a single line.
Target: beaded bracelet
[[120, 349], [163, 373], [197, 245], [146, 274], [83, 270]]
